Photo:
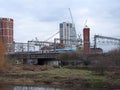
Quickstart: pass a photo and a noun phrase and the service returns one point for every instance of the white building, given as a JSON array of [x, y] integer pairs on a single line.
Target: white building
[[67, 34]]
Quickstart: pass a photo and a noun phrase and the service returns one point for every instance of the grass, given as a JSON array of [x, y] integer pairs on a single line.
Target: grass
[[58, 76], [65, 74]]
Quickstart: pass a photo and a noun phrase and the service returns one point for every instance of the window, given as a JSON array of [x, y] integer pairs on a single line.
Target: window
[[67, 24], [70, 25], [61, 25]]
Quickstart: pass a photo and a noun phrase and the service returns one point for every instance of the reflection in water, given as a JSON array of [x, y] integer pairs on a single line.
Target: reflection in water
[[9, 87], [34, 88]]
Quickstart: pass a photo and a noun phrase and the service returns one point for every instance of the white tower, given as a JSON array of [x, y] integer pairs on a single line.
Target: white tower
[[67, 34]]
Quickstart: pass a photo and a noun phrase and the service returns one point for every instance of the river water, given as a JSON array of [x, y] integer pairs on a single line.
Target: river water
[[8, 87], [11, 87]]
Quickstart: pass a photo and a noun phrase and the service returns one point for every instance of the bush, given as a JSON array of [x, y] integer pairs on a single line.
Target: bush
[[115, 56], [70, 56], [2, 55], [102, 63]]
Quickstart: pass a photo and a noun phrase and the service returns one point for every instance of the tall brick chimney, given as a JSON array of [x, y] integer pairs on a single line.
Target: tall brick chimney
[[6, 30], [86, 38]]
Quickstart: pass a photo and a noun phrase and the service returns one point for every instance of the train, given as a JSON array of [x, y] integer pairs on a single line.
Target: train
[[63, 50]]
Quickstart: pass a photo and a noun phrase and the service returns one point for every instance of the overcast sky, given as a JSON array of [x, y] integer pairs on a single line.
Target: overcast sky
[[41, 18]]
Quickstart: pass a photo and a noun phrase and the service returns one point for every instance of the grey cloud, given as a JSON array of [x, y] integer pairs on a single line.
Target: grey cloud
[[103, 13]]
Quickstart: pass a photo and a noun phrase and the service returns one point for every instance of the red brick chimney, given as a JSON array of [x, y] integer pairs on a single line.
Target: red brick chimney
[[86, 38], [6, 30]]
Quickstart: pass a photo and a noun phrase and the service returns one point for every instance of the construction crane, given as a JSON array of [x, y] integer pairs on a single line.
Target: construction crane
[[72, 18], [73, 24], [71, 15], [52, 36], [59, 31]]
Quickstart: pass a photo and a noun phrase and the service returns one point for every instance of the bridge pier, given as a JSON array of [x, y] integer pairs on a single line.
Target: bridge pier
[[24, 61], [48, 61]]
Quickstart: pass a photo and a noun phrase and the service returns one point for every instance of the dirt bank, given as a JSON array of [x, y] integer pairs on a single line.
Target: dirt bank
[[47, 75]]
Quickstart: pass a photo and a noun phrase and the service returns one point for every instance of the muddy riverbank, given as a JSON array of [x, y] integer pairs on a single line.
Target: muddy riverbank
[[47, 75]]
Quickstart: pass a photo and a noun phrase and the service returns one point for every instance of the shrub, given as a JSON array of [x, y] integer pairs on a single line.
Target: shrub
[[2, 55], [115, 56], [70, 56]]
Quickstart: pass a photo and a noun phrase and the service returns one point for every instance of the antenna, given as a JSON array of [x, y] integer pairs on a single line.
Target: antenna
[[85, 24]]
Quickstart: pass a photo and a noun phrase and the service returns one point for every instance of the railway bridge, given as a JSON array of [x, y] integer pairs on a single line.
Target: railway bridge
[[38, 57]]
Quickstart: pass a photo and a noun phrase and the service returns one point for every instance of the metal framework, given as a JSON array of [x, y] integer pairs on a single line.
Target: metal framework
[[29, 46], [37, 45], [105, 37]]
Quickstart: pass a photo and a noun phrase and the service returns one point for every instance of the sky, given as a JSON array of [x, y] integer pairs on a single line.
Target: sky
[[41, 18]]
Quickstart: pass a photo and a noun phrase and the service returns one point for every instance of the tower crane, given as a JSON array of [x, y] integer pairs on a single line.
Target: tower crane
[[73, 24], [52, 36], [72, 18], [59, 31]]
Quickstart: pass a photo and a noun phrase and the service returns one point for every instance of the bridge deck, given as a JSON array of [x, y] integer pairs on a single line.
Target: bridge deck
[[33, 55]]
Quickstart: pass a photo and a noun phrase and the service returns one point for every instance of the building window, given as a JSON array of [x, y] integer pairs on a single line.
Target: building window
[[61, 25], [70, 25], [67, 24], [8, 25]]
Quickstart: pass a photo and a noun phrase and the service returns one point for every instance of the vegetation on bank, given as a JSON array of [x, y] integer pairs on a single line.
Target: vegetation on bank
[[70, 77], [2, 55], [100, 63]]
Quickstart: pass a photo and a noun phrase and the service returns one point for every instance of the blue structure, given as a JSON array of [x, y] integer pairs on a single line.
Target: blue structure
[[64, 50]]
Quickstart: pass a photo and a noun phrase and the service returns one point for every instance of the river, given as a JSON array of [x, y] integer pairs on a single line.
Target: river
[[11, 87]]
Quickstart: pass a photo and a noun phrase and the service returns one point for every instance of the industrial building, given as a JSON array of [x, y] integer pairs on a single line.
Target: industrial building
[[6, 30], [67, 34]]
